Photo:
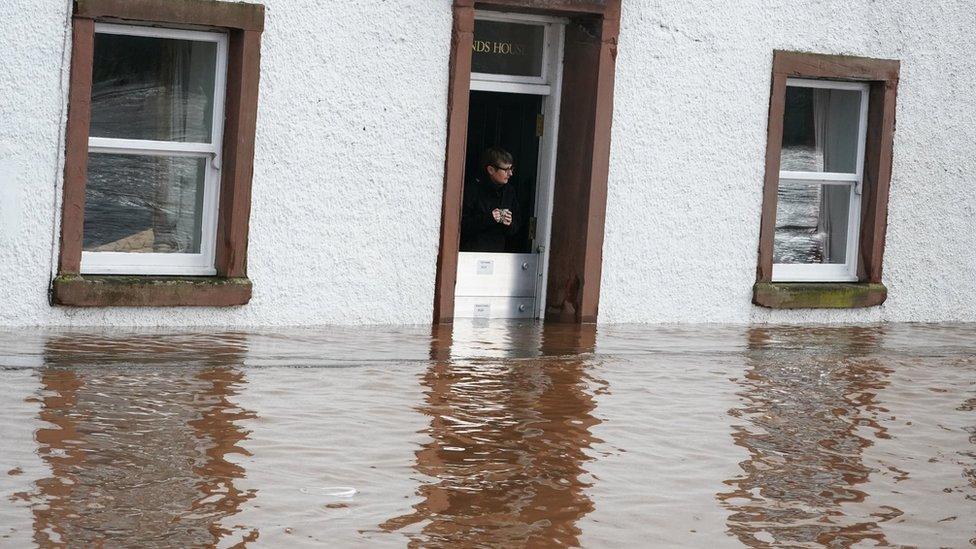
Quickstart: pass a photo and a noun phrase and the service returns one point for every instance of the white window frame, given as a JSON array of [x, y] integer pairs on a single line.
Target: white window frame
[[826, 272], [539, 85], [198, 264]]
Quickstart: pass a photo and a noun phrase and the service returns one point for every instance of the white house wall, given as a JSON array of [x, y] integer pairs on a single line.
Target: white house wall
[[350, 142], [688, 155]]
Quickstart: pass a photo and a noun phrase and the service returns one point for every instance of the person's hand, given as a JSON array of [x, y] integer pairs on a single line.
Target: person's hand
[[507, 218], [496, 214]]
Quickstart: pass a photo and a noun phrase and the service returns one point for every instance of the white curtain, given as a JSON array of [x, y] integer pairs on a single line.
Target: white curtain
[[834, 199], [821, 105], [174, 211]]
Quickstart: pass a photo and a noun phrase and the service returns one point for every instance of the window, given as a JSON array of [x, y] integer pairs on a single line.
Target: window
[[820, 176], [510, 50], [159, 150], [154, 151], [828, 169]]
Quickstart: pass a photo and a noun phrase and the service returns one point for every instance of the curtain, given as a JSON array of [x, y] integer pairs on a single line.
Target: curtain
[[176, 209], [834, 199]]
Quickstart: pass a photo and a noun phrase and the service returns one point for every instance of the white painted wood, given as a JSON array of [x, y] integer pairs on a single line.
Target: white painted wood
[[149, 147], [487, 77], [510, 87], [827, 84], [862, 138], [814, 182], [147, 263], [494, 307], [514, 17], [496, 274], [211, 191], [546, 178], [826, 272], [159, 32], [818, 176]]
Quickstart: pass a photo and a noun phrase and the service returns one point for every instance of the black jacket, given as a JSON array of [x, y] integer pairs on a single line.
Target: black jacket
[[479, 230]]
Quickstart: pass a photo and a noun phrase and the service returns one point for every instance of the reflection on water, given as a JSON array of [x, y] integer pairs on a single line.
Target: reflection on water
[[508, 448], [496, 434], [803, 422], [136, 450]]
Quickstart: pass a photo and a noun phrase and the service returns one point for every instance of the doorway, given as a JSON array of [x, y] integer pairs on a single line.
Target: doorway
[[500, 52], [512, 106]]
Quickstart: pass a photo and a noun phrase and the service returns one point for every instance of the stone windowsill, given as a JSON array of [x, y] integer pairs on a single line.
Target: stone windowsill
[[149, 291], [818, 295]]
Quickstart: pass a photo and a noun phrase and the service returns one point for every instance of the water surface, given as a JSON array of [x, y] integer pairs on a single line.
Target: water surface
[[490, 434]]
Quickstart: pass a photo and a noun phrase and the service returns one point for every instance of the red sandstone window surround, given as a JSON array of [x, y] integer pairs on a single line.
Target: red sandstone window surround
[[830, 136], [171, 159]]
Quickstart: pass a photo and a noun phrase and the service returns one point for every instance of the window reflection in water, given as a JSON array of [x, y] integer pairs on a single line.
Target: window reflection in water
[[135, 453], [841, 436], [802, 420], [509, 441]]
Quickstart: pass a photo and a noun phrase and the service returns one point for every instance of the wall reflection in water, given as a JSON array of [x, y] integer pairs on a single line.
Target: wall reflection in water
[[508, 440], [808, 413], [138, 450], [488, 436]]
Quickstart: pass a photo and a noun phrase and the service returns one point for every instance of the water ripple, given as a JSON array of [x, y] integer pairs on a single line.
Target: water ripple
[[493, 434]]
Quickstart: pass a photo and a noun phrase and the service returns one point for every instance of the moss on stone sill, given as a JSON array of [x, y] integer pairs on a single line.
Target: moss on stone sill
[[152, 280], [818, 295]]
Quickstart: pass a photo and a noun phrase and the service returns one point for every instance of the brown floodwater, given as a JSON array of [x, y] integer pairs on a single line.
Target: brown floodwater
[[501, 434]]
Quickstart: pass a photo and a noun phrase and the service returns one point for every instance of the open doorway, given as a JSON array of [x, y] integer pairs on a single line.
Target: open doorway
[[509, 165], [566, 57], [510, 122]]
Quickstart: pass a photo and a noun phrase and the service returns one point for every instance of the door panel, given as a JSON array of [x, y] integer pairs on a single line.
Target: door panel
[[487, 274], [494, 307]]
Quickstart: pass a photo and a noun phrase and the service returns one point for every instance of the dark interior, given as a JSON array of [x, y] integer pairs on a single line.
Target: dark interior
[[509, 121]]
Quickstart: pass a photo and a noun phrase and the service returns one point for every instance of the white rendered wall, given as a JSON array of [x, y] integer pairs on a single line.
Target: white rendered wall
[[350, 151], [688, 153], [346, 196]]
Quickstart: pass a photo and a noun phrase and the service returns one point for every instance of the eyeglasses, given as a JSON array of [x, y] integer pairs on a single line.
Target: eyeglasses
[[510, 169]]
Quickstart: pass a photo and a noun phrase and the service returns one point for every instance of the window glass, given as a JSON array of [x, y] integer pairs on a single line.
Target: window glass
[[152, 88], [507, 48], [820, 130], [811, 223], [141, 203]]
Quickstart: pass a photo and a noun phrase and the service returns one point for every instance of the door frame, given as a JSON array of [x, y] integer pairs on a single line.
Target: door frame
[[574, 235]]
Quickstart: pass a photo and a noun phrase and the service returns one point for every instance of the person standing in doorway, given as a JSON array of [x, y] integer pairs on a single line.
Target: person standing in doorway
[[490, 214]]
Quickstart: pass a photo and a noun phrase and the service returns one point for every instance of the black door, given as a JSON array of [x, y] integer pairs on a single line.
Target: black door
[[513, 122]]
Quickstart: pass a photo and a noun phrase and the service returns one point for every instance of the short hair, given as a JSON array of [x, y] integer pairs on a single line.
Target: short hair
[[495, 156]]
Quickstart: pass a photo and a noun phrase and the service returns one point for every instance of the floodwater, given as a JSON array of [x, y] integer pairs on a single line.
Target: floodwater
[[500, 434]]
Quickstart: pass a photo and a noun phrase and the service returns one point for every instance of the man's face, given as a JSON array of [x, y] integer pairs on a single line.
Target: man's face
[[499, 174]]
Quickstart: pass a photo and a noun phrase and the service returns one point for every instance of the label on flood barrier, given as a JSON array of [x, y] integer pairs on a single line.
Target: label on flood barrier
[[486, 266], [482, 310]]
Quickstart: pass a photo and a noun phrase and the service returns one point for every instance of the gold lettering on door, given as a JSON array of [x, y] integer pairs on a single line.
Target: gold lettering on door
[[498, 48]]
